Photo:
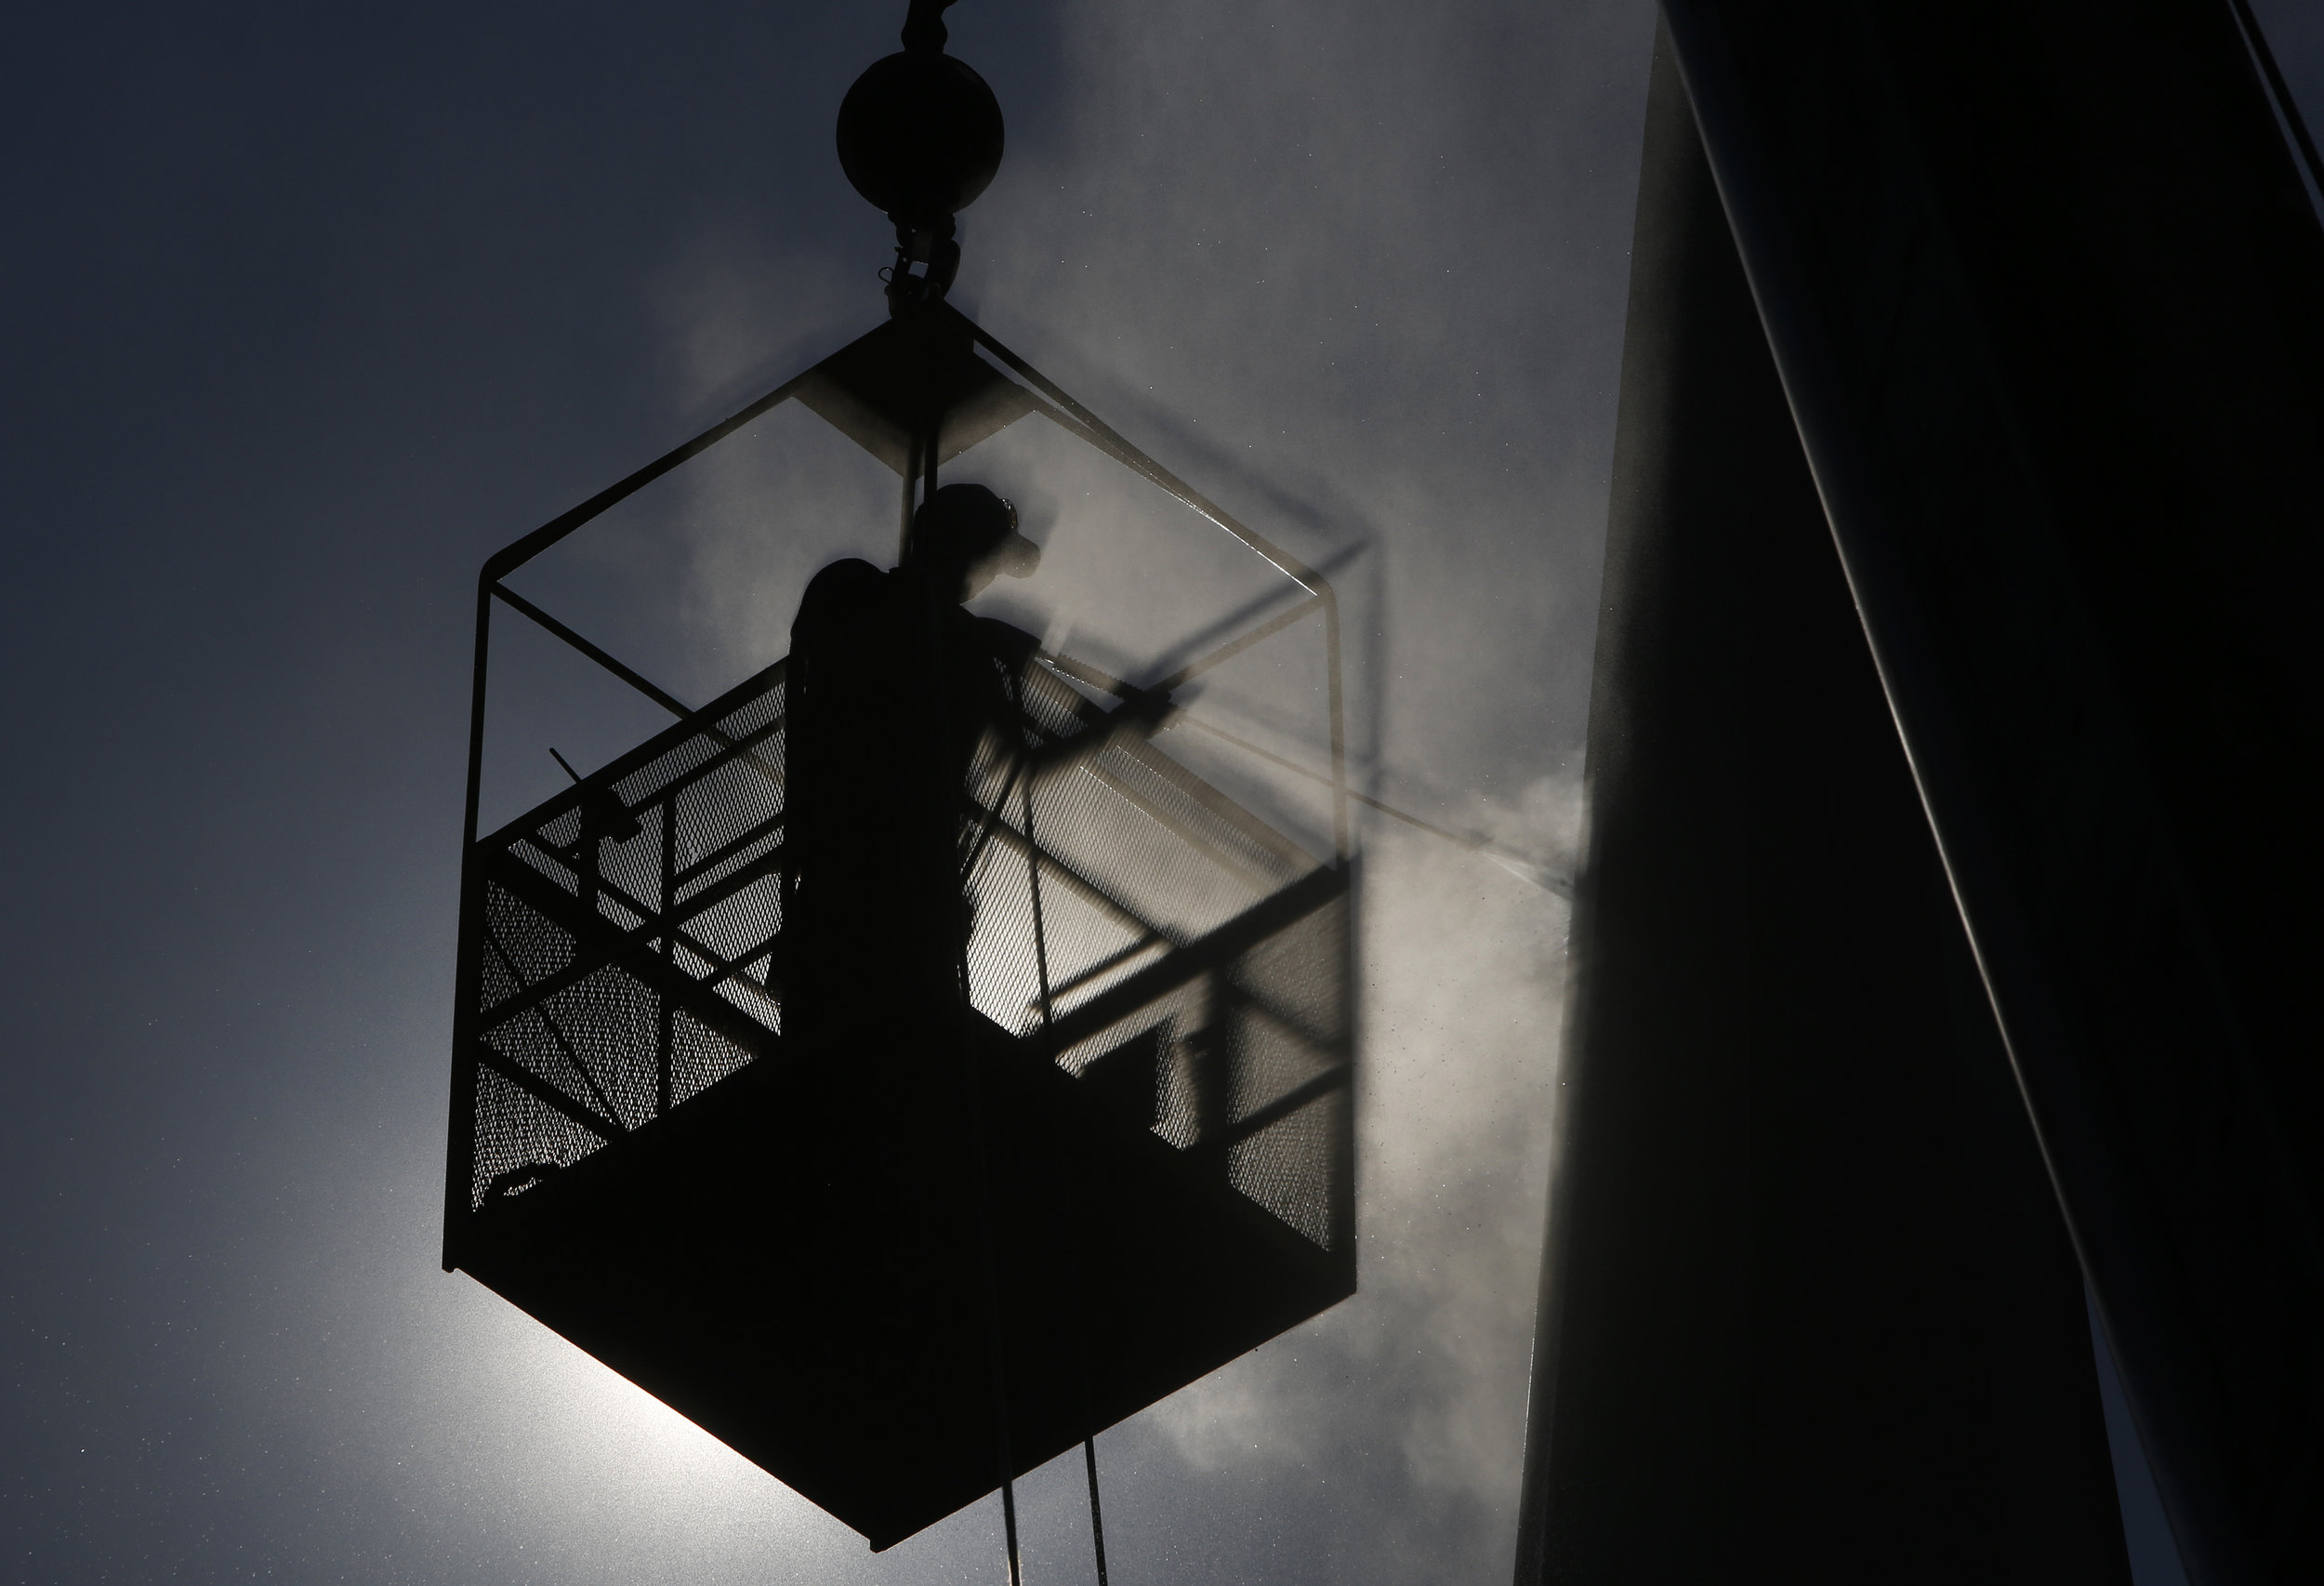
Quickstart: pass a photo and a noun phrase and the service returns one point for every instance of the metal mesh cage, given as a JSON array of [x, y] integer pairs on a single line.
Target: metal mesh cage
[[623, 933], [1150, 935], [1133, 1163]]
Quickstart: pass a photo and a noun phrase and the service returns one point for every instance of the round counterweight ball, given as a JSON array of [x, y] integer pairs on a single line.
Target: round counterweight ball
[[919, 135]]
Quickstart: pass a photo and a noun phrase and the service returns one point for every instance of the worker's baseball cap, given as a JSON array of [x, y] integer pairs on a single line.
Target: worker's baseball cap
[[971, 526]]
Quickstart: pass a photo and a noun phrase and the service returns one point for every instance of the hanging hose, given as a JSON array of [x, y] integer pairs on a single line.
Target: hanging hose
[[1048, 1032], [940, 725], [1097, 1522]]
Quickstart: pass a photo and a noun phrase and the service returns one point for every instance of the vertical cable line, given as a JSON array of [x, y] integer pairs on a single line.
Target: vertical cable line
[[663, 1084], [963, 1019], [461, 1151], [1097, 1521], [911, 479], [1048, 1036]]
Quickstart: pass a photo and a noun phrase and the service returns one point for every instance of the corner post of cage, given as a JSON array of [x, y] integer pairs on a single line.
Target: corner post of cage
[[1339, 837], [668, 901], [461, 1130], [1033, 885], [1343, 1237], [460, 1141], [1048, 1040], [932, 450], [921, 458], [1343, 1129], [911, 485]]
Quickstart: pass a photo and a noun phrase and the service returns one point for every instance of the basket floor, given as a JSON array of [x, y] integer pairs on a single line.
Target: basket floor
[[793, 1261]]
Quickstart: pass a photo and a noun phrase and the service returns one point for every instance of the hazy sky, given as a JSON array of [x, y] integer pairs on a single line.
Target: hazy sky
[[303, 312]]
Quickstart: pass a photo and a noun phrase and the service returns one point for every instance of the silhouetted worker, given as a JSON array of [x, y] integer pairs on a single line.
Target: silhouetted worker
[[892, 691]]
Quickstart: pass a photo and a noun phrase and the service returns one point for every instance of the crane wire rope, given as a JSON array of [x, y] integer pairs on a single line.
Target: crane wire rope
[[1049, 1035], [938, 705]]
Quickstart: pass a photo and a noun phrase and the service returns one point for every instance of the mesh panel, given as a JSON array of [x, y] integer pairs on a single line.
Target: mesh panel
[[1250, 1056], [1291, 1167], [1286, 1037], [528, 1139], [701, 1057], [1187, 961], [627, 934]]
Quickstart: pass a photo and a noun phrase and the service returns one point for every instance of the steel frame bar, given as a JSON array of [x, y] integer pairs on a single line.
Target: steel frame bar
[[615, 772], [607, 943], [679, 880], [1102, 435], [1255, 924], [653, 925], [1336, 1078], [1010, 837], [1226, 861], [573, 1061], [636, 680], [534, 1005], [604, 658], [545, 1094], [1107, 965], [1178, 776]]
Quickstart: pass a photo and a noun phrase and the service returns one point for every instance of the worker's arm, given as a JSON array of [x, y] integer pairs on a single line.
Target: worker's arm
[[1141, 715]]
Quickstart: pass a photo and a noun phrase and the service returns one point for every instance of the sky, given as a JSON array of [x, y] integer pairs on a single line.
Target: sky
[[307, 311]]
